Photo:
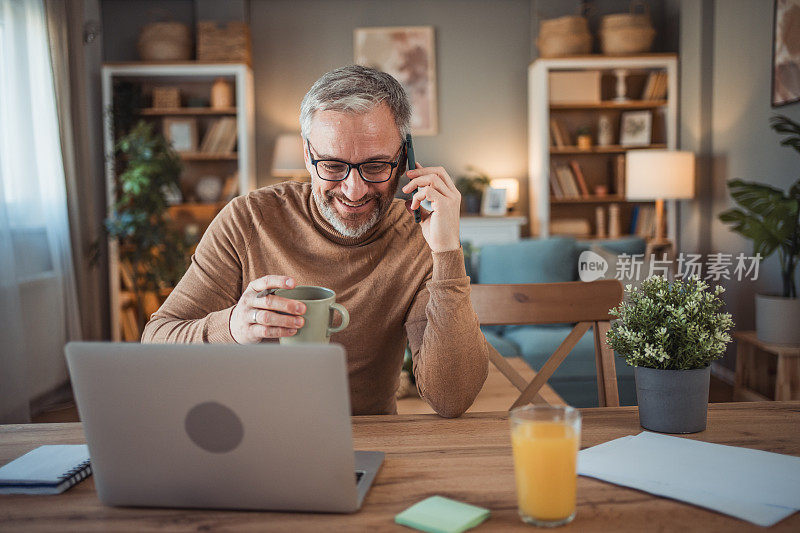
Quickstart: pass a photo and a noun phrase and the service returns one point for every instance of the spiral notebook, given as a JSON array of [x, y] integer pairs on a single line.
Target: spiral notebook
[[49, 469]]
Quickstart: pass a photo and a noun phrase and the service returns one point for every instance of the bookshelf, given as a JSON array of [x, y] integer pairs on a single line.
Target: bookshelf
[[645, 84], [234, 167]]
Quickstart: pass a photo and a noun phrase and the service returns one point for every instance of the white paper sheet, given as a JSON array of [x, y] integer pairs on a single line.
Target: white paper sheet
[[757, 486]]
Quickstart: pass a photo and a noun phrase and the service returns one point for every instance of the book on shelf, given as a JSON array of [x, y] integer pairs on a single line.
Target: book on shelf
[[643, 220], [220, 136], [555, 187], [656, 86], [566, 179], [619, 175], [555, 135], [559, 135], [580, 178]]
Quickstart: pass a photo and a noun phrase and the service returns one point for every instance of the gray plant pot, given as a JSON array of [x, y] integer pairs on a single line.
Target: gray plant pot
[[472, 203], [777, 319], [672, 401]]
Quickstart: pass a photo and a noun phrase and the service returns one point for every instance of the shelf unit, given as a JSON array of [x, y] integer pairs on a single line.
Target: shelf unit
[[194, 79], [597, 162]]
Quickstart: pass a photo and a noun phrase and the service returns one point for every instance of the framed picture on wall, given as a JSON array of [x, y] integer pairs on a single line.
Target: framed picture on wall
[[786, 53], [181, 133], [635, 128], [494, 202], [407, 53]]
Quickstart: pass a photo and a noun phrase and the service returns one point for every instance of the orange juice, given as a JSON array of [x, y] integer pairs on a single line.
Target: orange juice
[[544, 463]]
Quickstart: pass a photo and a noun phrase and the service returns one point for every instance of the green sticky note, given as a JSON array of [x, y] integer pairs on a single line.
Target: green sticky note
[[442, 515]]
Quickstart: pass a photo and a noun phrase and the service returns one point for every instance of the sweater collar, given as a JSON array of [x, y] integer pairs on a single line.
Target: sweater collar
[[327, 230]]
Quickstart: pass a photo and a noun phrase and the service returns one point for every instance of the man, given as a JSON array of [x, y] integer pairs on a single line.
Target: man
[[399, 280]]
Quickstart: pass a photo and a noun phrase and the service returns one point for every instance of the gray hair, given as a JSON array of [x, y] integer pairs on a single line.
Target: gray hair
[[356, 89]]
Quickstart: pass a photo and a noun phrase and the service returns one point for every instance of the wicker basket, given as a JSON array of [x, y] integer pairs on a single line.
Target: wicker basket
[[564, 36], [166, 97], [228, 43], [627, 33], [165, 41]]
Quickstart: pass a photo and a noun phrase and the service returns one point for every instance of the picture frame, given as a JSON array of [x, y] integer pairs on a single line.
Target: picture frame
[[494, 202], [408, 53], [181, 133], [785, 54], [636, 128]]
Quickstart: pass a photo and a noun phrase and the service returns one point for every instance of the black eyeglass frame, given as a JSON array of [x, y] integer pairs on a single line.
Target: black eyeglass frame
[[357, 166]]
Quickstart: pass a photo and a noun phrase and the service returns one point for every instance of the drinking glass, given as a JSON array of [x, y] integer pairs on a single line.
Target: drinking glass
[[545, 441]]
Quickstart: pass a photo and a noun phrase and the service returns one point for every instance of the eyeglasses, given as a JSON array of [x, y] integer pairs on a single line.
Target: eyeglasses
[[370, 171]]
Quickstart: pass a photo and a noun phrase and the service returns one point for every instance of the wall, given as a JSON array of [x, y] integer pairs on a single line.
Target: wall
[[482, 52], [483, 48], [736, 132]]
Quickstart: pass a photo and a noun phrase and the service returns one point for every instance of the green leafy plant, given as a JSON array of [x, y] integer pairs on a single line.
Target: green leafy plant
[[155, 251], [768, 216], [473, 182], [671, 325], [583, 130]]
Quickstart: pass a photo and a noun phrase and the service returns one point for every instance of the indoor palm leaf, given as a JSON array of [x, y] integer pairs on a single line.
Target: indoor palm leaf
[[768, 216]]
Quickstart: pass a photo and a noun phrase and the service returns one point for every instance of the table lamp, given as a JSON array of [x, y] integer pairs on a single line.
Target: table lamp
[[659, 175], [511, 186], [287, 160]]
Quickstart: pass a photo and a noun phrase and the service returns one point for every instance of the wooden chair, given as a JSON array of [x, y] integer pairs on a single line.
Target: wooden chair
[[553, 303]]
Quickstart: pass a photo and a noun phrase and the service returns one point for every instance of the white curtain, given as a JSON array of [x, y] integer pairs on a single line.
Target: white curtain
[[34, 228]]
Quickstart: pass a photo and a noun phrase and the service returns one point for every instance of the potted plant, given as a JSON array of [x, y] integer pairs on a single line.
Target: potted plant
[[151, 250], [670, 332], [471, 187], [771, 219]]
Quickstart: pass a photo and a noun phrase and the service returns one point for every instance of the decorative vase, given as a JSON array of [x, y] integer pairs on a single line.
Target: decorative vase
[[221, 94], [777, 319], [672, 401]]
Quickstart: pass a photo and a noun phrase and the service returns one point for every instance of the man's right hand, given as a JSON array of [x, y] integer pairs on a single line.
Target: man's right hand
[[270, 317]]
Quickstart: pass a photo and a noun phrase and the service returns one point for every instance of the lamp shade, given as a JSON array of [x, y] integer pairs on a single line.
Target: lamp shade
[[659, 175], [287, 161], [510, 185]]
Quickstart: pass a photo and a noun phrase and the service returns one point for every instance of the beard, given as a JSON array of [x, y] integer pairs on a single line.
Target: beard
[[357, 224]]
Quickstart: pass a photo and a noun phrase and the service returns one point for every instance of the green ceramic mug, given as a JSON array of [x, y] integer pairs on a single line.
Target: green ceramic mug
[[320, 304]]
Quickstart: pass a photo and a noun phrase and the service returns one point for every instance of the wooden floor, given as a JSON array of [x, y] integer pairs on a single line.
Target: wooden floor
[[719, 392]]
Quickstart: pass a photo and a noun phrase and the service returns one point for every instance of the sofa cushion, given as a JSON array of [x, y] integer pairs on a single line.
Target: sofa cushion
[[529, 261], [537, 344], [623, 245], [505, 347], [582, 392]]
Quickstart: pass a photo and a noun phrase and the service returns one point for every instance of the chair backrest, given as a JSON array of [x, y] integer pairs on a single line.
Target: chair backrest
[[586, 304]]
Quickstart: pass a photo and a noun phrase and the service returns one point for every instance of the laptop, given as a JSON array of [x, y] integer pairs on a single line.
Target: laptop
[[263, 427]]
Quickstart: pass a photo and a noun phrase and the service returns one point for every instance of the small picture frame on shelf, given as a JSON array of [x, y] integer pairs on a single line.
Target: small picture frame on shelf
[[181, 133], [494, 202], [635, 128]]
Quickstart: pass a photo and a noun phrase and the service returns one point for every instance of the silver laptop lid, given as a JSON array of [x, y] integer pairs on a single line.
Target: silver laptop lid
[[217, 426]]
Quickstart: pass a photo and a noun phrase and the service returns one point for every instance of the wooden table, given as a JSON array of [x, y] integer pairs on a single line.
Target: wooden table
[[765, 371], [468, 459], [497, 394]]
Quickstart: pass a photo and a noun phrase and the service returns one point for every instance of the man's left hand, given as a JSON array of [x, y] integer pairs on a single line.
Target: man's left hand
[[440, 227]]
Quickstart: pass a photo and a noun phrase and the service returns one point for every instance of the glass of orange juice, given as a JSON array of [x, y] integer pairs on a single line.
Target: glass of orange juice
[[545, 441]]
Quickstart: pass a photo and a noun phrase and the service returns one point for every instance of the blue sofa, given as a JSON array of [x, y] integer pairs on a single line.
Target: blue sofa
[[549, 261]]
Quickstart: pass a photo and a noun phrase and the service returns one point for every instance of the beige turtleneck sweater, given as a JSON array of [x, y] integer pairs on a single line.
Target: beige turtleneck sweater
[[391, 283]]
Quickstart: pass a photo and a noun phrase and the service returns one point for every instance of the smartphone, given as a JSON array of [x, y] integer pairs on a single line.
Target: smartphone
[[411, 163]]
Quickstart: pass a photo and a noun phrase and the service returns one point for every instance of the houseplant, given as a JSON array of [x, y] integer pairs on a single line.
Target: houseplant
[[670, 332], [471, 186], [152, 251], [771, 219]]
